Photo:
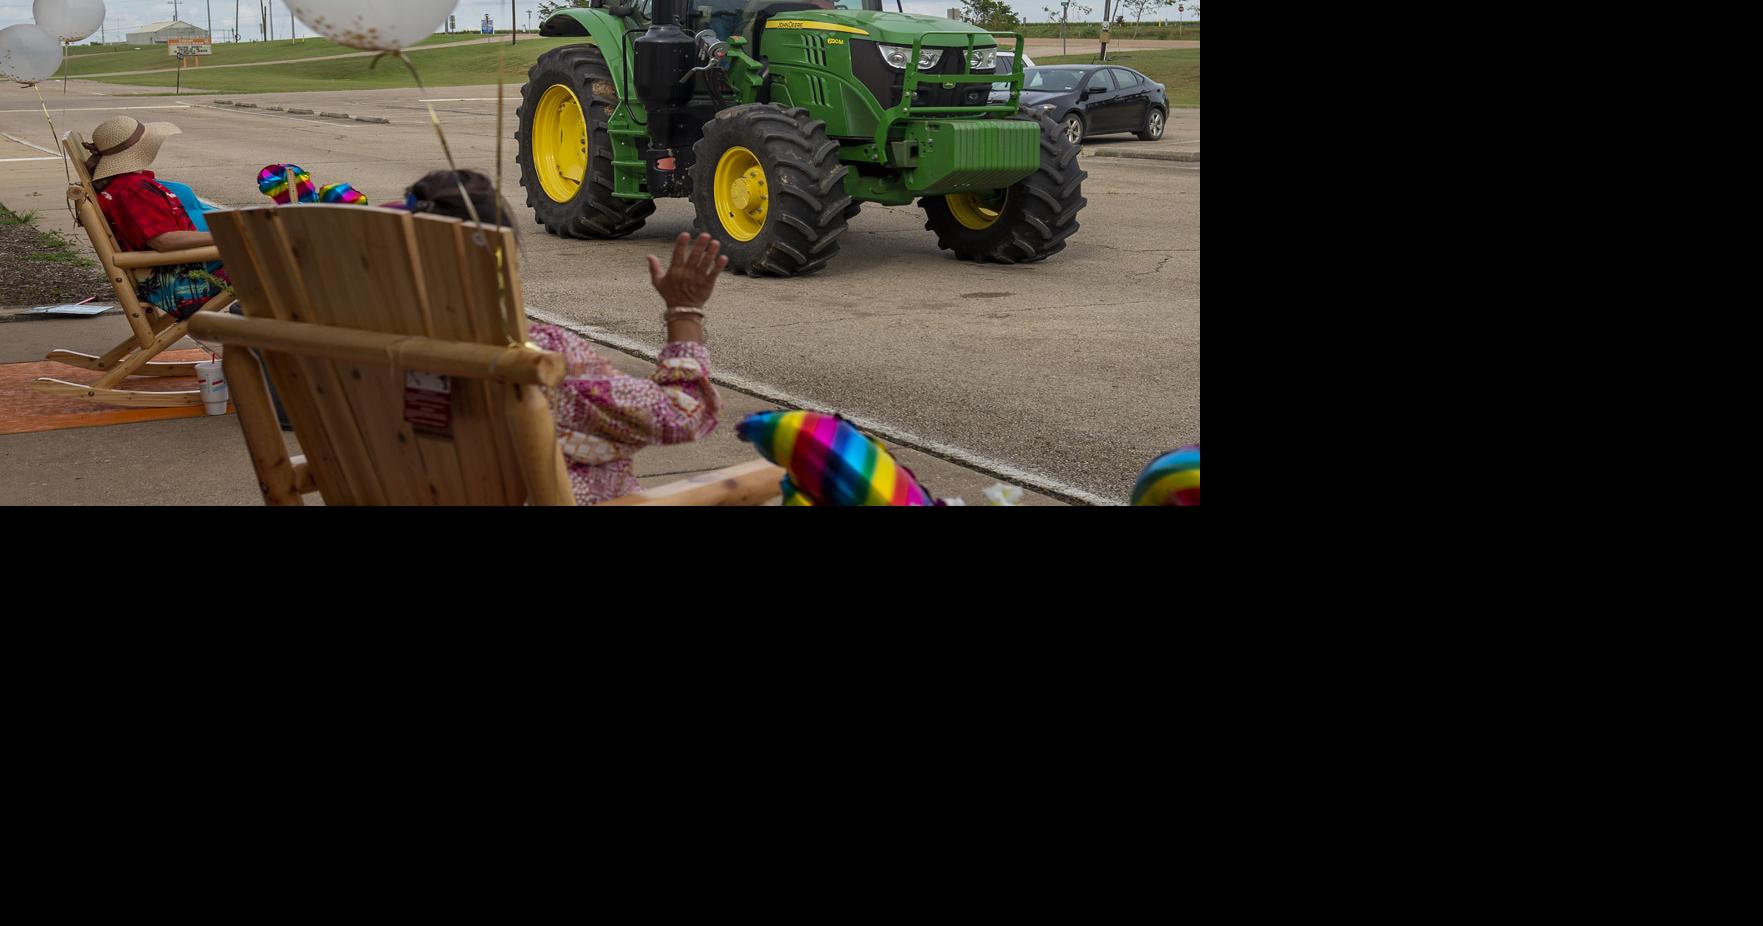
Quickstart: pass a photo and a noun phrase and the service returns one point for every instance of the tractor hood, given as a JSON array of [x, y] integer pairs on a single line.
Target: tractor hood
[[888, 28]]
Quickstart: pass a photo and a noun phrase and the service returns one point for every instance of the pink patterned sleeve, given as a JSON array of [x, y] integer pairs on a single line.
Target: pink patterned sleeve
[[676, 404]]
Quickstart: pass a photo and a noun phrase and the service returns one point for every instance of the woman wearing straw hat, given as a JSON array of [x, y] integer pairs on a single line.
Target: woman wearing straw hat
[[145, 215]]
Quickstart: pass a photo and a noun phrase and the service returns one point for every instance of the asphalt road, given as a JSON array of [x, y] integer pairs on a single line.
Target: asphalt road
[[1068, 375]]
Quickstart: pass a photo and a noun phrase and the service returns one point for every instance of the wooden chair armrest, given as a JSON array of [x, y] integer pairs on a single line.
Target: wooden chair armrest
[[137, 260], [746, 484], [523, 365]]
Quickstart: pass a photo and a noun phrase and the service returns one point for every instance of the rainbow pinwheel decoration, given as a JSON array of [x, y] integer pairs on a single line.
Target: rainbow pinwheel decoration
[[1172, 479], [273, 181], [341, 194], [830, 462]]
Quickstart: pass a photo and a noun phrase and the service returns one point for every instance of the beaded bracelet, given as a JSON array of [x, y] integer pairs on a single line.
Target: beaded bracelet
[[672, 314]]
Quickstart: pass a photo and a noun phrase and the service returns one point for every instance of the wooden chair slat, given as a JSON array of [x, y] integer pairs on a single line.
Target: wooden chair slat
[[446, 477], [294, 385], [487, 465], [377, 397]]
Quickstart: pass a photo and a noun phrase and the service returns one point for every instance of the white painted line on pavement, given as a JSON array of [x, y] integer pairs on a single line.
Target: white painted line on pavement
[[776, 396], [28, 144], [14, 160], [98, 109]]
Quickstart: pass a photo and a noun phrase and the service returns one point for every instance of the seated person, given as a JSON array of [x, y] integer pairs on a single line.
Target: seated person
[[145, 215], [603, 416]]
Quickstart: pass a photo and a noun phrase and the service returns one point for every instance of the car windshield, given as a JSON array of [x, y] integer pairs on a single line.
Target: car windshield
[[1051, 80], [1006, 64]]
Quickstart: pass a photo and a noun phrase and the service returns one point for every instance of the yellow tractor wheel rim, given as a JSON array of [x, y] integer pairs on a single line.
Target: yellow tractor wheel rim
[[560, 144], [973, 209], [742, 195]]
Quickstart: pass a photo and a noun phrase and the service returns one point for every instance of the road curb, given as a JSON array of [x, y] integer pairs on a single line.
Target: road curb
[[1187, 156]]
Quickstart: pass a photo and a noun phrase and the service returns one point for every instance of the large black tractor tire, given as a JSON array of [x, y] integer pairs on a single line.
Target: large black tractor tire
[[804, 189], [1037, 216], [593, 212]]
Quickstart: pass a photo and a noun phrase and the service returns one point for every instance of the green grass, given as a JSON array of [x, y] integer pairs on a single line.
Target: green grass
[[108, 58], [52, 247], [1177, 69], [448, 67]]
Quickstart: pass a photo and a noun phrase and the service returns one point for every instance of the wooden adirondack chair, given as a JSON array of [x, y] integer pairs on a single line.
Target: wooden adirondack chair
[[345, 302], [154, 331]]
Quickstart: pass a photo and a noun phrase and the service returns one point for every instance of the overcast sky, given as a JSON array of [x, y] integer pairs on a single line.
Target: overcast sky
[[127, 14]]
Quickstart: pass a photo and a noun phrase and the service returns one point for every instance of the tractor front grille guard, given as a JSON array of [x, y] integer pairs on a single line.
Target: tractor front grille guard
[[909, 87]]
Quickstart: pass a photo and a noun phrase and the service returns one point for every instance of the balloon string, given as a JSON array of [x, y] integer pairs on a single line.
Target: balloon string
[[435, 120], [502, 270], [53, 133], [501, 62]]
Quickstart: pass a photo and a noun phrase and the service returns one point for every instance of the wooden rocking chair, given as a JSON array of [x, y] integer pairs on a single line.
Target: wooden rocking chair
[[398, 345], [154, 331]]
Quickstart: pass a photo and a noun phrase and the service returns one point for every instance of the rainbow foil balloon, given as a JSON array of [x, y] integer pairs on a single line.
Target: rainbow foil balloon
[[830, 462], [1172, 479], [342, 194], [273, 181]]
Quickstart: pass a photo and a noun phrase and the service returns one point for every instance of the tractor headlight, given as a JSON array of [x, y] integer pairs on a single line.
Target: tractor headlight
[[983, 60], [896, 55]]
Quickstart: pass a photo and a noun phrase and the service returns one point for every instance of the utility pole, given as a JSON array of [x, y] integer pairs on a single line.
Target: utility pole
[[210, 4], [293, 33], [513, 22], [1107, 21]]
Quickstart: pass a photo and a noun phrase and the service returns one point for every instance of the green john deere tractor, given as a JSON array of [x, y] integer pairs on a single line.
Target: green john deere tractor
[[779, 119]]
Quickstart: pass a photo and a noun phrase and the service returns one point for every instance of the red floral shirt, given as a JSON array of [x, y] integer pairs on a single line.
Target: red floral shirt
[[139, 210]]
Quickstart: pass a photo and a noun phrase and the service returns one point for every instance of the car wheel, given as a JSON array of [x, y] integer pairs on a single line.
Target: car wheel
[[1153, 126], [1074, 128]]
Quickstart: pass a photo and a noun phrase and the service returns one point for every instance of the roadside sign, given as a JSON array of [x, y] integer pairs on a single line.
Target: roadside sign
[[487, 27], [180, 47]]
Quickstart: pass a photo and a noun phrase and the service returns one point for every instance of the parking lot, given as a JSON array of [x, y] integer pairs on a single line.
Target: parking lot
[[1067, 376]]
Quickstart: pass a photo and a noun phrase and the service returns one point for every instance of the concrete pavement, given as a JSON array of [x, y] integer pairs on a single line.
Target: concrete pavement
[[1070, 374]]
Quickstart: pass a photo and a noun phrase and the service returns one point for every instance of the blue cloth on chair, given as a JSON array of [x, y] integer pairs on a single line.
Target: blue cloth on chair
[[192, 204]]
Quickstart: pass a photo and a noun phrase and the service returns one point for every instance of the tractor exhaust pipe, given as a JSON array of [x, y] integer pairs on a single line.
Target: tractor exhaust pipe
[[664, 58]]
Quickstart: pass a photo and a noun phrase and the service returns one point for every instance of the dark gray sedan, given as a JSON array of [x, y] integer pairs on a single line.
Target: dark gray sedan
[[1097, 99]]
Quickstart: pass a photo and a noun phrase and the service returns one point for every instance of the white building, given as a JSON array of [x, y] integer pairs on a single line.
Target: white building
[[157, 33]]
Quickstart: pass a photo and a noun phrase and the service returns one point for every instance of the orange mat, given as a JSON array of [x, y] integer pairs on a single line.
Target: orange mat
[[23, 410]]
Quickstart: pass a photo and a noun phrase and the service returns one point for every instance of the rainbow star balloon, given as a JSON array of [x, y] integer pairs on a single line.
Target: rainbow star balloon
[[1172, 479], [341, 194], [273, 181], [830, 462]]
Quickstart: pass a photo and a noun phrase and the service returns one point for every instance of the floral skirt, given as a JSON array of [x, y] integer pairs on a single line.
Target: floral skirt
[[181, 289]]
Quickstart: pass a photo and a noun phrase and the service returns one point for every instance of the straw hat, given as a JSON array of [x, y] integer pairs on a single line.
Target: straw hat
[[125, 144]]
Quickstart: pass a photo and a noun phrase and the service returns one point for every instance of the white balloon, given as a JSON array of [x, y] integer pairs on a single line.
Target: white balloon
[[374, 25], [28, 54], [69, 20]]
